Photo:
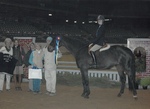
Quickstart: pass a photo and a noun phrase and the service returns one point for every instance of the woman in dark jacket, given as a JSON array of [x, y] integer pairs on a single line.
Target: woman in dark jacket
[[99, 41], [18, 53]]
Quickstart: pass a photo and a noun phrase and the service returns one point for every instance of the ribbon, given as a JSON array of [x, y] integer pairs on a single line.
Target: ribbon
[[57, 49]]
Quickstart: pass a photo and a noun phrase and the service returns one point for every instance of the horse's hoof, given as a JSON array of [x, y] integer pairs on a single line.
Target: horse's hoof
[[119, 95], [135, 97], [87, 97], [82, 95]]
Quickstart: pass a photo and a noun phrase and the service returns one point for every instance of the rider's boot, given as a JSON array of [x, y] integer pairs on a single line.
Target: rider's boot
[[94, 64]]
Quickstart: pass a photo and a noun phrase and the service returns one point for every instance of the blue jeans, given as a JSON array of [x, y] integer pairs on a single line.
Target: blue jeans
[[36, 85]]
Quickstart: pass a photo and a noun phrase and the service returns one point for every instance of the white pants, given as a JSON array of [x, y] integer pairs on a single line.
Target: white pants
[[50, 77], [2, 78], [95, 47]]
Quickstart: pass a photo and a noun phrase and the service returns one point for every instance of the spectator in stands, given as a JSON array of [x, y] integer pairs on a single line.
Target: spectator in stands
[[28, 65], [19, 54], [50, 67], [7, 49], [99, 42], [36, 60]]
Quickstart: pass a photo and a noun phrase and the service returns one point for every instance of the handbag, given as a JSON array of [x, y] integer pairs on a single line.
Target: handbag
[[35, 73]]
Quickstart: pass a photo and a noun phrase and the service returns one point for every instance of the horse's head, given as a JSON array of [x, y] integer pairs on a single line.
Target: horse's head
[[72, 43], [55, 38]]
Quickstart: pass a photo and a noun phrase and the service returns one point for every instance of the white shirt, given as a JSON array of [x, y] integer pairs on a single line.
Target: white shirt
[[4, 51], [49, 60]]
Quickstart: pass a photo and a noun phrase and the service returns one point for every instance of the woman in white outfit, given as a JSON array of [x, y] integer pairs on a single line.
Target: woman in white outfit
[[50, 68], [7, 49]]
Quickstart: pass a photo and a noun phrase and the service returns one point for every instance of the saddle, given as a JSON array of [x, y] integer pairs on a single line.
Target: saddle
[[92, 53], [100, 48], [104, 47]]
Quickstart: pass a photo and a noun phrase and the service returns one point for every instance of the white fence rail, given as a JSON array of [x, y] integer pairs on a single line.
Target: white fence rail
[[65, 66], [113, 75]]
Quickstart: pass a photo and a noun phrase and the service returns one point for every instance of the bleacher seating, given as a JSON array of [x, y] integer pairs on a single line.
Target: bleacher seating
[[114, 34]]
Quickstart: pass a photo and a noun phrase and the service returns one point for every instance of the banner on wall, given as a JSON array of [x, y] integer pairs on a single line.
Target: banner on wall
[[25, 42], [141, 49]]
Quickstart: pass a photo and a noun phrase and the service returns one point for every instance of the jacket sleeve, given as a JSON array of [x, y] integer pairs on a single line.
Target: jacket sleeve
[[99, 35], [23, 55], [31, 59]]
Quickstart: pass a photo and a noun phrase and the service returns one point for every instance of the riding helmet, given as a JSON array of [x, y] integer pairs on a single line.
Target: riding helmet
[[100, 17]]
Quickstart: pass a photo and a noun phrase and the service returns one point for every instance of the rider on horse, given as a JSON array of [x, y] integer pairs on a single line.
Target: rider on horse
[[99, 42]]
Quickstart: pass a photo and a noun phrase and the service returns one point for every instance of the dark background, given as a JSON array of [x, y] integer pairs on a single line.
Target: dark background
[[125, 18]]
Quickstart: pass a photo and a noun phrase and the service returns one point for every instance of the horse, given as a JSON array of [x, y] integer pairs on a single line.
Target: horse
[[117, 56]]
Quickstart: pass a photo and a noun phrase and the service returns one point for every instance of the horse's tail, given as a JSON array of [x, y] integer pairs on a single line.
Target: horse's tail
[[132, 74]]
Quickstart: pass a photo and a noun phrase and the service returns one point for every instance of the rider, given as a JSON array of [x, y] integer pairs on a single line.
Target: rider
[[99, 42]]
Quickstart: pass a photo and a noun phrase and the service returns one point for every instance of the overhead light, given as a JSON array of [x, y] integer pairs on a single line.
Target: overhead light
[[90, 21], [83, 22], [75, 21], [95, 21], [107, 19], [49, 14], [67, 20]]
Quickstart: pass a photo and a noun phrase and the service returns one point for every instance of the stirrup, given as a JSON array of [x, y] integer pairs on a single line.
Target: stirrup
[[93, 66]]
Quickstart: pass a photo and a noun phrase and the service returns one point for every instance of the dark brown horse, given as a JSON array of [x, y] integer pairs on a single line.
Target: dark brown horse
[[119, 56]]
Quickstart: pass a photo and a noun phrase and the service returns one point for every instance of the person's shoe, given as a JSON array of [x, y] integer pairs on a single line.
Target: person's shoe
[[47, 93], [16, 88], [19, 88], [8, 90], [35, 93], [29, 90], [39, 92], [52, 94]]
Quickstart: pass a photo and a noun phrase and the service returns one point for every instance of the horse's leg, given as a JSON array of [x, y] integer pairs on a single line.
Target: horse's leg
[[85, 82], [132, 83], [130, 70], [122, 79]]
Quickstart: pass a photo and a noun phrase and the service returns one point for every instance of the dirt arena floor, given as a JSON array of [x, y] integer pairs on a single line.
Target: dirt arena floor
[[69, 97]]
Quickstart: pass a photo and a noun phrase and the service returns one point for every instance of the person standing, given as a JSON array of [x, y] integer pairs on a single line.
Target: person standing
[[7, 49], [36, 60], [50, 67], [28, 65], [19, 54]]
